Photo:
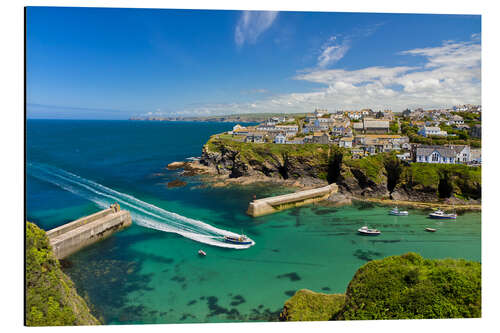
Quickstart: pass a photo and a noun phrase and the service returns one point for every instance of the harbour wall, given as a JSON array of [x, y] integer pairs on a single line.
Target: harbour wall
[[73, 236], [275, 204]]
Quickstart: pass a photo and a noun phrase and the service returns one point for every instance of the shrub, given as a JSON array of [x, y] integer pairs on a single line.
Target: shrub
[[409, 286]]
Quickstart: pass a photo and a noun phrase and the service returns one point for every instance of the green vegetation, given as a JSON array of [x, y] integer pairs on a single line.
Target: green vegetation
[[461, 138], [440, 141], [394, 127], [372, 166], [409, 286], [330, 162], [461, 180], [261, 151], [307, 305], [469, 117], [51, 299], [397, 287]]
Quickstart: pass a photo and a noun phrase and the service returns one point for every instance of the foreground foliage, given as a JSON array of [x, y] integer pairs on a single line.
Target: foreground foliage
[[306, 305], [51, 299], [409, 286], [397, 287]]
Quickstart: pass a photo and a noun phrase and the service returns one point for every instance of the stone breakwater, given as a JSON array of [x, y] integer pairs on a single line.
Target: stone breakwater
[[278, 203], [73, 236]]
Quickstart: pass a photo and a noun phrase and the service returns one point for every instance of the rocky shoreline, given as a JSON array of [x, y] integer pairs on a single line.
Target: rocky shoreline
[[215, 176]]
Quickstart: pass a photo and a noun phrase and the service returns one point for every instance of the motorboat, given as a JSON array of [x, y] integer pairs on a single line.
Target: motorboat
[[202, 253], [395, 211], [439, 214], [430, 229], [367, 231], [240, 239]]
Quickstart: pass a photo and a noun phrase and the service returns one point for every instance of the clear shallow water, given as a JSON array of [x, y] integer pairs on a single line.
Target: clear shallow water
[[144, 275]]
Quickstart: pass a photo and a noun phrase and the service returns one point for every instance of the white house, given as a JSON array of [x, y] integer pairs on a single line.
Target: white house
[[427, 131], [239, 130], [255, 137], [346, 142], [457, 120], [280, 138], [443, 154], [290, 130]]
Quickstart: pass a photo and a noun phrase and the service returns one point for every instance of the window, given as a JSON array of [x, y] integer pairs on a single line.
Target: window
[[435, 157]]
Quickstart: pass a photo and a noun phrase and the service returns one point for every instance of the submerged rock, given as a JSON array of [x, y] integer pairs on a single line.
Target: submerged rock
[[176, 183]]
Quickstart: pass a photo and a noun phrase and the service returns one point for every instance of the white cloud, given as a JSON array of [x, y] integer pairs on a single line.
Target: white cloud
[[449, 75], [251, 25], [332, 51], [451, 54]]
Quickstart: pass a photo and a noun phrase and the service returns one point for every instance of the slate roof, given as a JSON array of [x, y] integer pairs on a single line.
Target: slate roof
[[443, 151]]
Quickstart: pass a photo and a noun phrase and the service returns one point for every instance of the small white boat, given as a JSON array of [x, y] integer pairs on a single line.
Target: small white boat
[[367, 231], [439, 214], [430, 229], [202, 253], [395, 211], [241, 240]]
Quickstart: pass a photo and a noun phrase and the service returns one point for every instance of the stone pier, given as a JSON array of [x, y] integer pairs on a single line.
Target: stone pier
[[275, 204], [73, 236]]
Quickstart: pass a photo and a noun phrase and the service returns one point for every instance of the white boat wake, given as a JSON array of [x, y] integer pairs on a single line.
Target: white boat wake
[[143, 213]]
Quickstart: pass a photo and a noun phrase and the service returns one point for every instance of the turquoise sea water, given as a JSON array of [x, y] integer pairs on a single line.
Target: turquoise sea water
[[147, 275]]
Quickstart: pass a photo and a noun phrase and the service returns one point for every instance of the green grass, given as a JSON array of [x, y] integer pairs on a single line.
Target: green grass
[[397, 287], [372, 166], [261, 151], [307, 305], [465, 180], [411, 287]]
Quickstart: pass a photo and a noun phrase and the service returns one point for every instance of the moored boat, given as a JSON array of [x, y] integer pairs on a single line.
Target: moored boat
[[367, 231], [241, 239], [395, 211], [439, 214], [430, 229], [202, 253]]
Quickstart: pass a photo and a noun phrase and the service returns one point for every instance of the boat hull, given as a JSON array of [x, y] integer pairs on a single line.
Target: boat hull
[[398, 214], [441, 217], [231, 241]]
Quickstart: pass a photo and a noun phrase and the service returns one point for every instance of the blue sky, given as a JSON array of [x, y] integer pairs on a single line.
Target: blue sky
[[98, 63]]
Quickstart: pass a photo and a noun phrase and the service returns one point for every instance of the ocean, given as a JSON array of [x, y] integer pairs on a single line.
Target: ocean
[[151, 272]]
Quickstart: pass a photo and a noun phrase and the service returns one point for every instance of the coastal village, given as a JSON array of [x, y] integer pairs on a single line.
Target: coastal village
[[448, 136]]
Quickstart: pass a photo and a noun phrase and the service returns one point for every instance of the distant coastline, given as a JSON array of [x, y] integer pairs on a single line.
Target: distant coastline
[[234, 118]]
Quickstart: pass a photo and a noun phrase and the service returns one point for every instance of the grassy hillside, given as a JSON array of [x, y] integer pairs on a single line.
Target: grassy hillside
[[397, 287], [51, 299], [444, 179], [307, 305], [382, 170], [409, 286]]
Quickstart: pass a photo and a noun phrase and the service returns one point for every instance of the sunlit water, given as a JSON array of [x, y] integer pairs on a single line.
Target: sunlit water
[[151, 273]]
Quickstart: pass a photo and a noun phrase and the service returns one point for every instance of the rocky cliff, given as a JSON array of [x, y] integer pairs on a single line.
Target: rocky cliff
[[377, 176]]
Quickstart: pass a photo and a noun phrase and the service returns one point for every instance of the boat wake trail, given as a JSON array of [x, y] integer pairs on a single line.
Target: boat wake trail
[[143, 213]]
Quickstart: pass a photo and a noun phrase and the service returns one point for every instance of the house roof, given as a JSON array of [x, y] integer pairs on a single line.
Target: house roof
[[452, 151], [256, 134], [376, 123], [379, 136]]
